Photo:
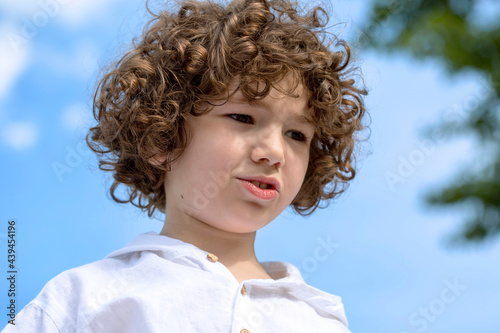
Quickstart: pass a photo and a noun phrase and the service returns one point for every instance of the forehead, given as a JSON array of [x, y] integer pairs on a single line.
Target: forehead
[[286, 98]]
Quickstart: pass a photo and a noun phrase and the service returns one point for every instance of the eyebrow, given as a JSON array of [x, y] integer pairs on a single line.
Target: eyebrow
[[295, 117], [304, 120]]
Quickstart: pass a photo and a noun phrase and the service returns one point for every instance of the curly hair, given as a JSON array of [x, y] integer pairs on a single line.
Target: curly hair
[[184, 60]]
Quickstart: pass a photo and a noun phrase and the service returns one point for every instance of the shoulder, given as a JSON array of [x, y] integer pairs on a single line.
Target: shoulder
[[96, 283], [69, 295], [56, 307], [302, 299], [148, 280], [32, 319]]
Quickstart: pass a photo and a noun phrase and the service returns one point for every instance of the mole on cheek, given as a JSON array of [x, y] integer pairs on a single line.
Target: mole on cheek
[[182, 196]]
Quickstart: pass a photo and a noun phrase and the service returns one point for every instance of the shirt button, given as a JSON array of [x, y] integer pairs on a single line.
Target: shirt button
[[212, 257], [243, 290], [244, 331]]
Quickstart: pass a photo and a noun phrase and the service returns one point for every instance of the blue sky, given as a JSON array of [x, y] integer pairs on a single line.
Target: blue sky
[[390, 261]]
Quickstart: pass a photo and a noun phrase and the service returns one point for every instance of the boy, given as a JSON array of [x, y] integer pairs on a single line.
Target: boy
[[220, 117]]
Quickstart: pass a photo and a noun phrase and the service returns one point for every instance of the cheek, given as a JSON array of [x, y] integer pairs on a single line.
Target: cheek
[[302, 162], [297, 175], [300, 171]]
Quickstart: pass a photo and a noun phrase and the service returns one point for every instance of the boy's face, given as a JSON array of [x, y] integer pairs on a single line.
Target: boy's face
[[233, 150]]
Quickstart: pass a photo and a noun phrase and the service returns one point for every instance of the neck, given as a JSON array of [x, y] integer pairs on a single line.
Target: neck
[[234, 250]]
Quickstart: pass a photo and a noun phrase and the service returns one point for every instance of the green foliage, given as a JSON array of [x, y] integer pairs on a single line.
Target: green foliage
[[453, 31]]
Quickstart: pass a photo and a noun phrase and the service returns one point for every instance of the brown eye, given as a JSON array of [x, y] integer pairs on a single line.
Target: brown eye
[[297, 136], [242, 118]]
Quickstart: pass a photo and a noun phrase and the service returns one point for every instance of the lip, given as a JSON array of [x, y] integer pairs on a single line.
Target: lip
[[257, 192], [262, 179]]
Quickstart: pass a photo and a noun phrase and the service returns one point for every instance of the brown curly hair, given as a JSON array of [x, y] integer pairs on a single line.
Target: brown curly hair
[[191, 57]]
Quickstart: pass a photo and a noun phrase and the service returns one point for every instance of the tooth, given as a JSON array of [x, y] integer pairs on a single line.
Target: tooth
[[256, 183], [263, 186]]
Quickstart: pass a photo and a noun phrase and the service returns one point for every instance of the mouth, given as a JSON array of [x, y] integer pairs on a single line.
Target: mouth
[[263, 186], [264, 183]]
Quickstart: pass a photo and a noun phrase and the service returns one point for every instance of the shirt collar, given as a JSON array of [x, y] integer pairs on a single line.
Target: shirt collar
[[187, 254], [284, 275]]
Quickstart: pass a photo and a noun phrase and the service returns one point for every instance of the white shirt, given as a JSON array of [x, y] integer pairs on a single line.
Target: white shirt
[[161, 284]]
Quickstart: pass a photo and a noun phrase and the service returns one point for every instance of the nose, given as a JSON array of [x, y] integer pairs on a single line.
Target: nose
[[269, 148]]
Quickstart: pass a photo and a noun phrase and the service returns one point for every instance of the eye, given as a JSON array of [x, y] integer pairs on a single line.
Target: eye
[[297, 136], [242, 118]]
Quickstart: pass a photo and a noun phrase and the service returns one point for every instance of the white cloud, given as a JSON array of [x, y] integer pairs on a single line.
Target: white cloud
[[73, 13], [78, 12], [76, 117], [21, 135], [18, 7], [14, 58]]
